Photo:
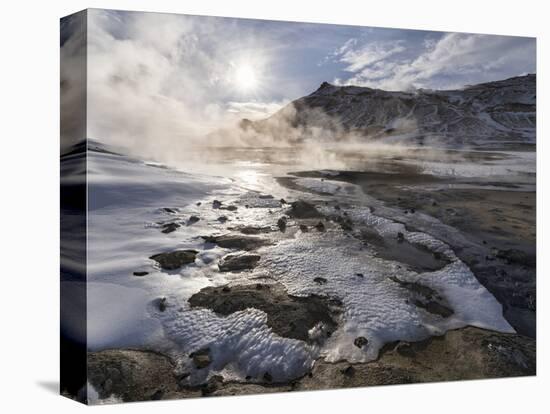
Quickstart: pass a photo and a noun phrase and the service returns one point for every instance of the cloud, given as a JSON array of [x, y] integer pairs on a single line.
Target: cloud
[[254, 110], [452, 61], [159, 82]]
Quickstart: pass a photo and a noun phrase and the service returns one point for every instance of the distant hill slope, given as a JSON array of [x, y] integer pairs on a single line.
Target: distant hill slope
[[495, 111]]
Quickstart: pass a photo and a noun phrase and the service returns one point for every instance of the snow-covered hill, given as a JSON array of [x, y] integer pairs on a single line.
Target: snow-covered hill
[[499, 111]]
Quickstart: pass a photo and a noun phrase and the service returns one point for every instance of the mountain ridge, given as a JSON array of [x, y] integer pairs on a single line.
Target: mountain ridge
[[503, 110]]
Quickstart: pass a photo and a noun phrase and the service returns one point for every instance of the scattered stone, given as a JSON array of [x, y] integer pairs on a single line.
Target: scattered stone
[[303, 209], [198, 203], [337, 207], [169, 210], [360, 342], [226, 289], [282, 201], [192, 220], [201, 358], [170, 227], [517, 256], [238, 262], [265, 196], [360, 275], [412, 210], [230, 208], [236, 241], [268, 377], [174, 260], [252, 229], [216, 204], [400, 237], [349, 371], [281, 223], [320, 280], [304, 228], [222, 219], [320, 226], [434, 204], [141, 274], [214, 383]]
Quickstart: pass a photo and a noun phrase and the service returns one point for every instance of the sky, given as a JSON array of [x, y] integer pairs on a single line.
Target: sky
[[154, 73]]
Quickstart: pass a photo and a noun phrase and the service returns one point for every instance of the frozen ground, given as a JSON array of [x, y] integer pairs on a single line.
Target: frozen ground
[[130, 201]]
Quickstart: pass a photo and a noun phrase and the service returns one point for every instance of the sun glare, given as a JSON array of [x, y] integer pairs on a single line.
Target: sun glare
[[246, 78]]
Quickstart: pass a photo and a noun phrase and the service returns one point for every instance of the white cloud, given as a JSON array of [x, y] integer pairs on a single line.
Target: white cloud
[[454, 60]]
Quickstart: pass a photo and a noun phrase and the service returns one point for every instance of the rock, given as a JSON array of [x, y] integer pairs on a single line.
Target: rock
[[141, 274], [404, 349], [360, 342], [320, 226], [226, 289], [267, 377], [349, 371], [222, 219], [174, 260], [238, 262], [288, 316], [265, 197], [230, 208], [170, 227], [400, 236], [281, 223], [201, 358], [360, 275], [237, 241], [282, 201], [304, 228], [214, 383], [169, 210], [303, 209], [198, 203], [412, 210], [192, 220], [161, 304], [216, 204], [320, 280], [253, 229]]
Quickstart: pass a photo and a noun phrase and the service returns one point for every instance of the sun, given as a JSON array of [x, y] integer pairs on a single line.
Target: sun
[[246, 78]]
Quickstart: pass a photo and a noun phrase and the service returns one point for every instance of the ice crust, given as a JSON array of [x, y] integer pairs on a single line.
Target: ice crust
[[126, 199]]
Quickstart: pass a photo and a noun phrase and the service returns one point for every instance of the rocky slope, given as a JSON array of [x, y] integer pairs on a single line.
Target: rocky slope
[[500, 111]]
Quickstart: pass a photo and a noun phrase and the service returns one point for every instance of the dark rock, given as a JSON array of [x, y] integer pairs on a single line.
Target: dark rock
[[201, 358], [198, 203], [161, 304], [267, 377], [282, 201], [360, 275], [360, 342], [320, 280], [303, 209], [192, 220], [236, 241], [214, 383], [320, 226], [226, 289], [222, 219], [230, 208], [253, 229], [170, 227], [413, 210], [304, 228], [174, 260], [349, 371], [216, 204], [238, 262], [400, 236], [169, 210], [288, 316], [141, 273], [265, 196], [157, 395], [281, 223], [404, 349]]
